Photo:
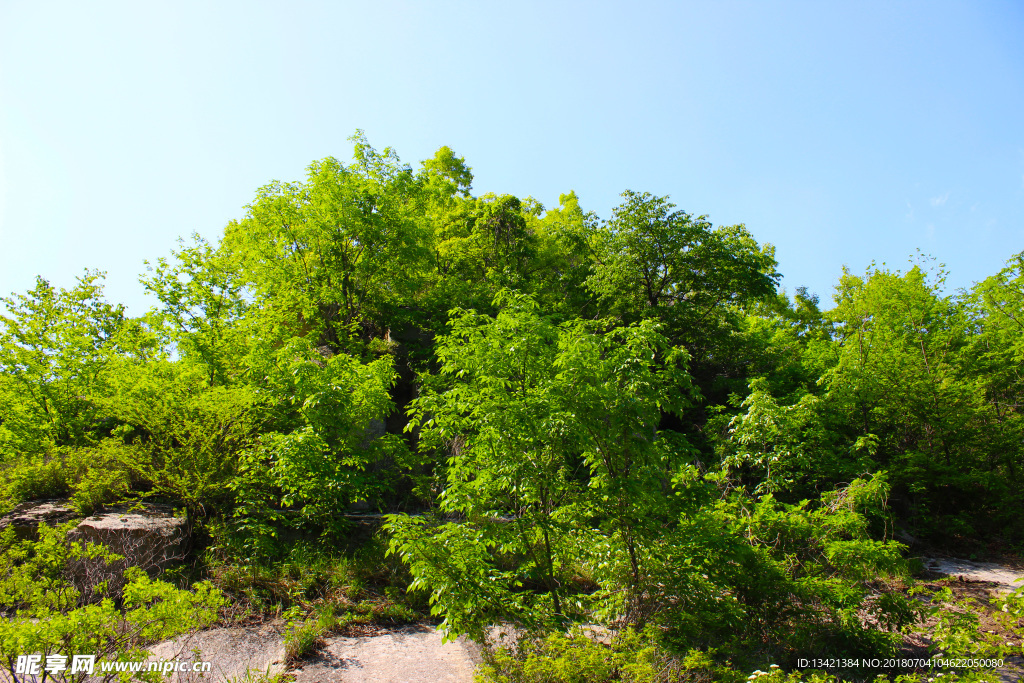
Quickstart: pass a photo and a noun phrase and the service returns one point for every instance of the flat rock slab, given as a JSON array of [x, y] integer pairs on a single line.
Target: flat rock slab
[[1013, 672], [27, 517], [147, 519], [231, 652], [977, 571], [412, 654]]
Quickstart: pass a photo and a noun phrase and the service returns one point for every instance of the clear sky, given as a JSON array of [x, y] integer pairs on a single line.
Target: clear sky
[[842, 133]]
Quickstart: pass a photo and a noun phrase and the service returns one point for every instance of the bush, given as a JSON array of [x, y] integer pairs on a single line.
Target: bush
[[49, 477], [637, 657], [49, 618], [104, 475], [91, 476]]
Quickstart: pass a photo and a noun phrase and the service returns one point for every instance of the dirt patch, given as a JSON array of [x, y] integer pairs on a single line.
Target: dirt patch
[[411, 654]]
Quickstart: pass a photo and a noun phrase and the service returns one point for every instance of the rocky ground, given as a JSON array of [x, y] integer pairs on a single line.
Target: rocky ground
[[412, 654], [234, 653], [1007, 578], [409, 654], [980, 582]]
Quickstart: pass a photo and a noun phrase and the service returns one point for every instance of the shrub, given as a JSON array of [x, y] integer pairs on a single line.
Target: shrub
[[634, 656], [48, 477], [49, 619], [104, 475]]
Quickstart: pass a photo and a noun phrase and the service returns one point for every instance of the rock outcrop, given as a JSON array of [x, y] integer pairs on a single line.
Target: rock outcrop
[[410, 654], [27, 517], [146, 535], [240, 653]]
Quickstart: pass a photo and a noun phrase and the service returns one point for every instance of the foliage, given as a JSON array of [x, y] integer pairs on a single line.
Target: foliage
[[617, 420], [55, 347], [955, 627], [302, 638], [321, 448], [770, 439], [580, 657], [761, 580], [182, 436], [338, 249], [789, 450], [36, 585], [46, 475], [564, 258], [902, 370], [202, 304], [549, 429], [510, 471], [654, 262], [90, 476], [555, 465], [105, 475]]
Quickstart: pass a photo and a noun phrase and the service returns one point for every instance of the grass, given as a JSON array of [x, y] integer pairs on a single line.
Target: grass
[[260, 677], [339, 618], [302, 639], [318, 590]]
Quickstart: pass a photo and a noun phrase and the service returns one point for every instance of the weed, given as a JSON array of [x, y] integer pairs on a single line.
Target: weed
[[301, 639], [260, 677]]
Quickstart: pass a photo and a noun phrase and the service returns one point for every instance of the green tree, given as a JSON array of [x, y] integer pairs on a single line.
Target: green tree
[[565, 243], [56, 347], [900, 370], [202, 306], [328, 429], [997, 304], [553, 451], [339, 249], [655, 262], [616, 386], [494, 408], [487, 240]]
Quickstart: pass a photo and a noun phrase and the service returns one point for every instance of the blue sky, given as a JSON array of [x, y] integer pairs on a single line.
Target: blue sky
[[842, 134]]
